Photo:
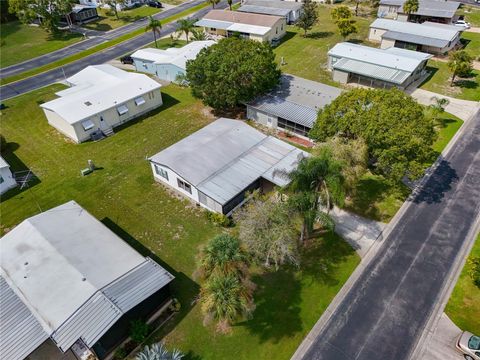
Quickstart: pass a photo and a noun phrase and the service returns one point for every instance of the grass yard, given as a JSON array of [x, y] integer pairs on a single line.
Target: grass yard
[[471, 13], [108, 21], [124, 196], [307, 57], [463, 307], [379, 200], [20, 42]]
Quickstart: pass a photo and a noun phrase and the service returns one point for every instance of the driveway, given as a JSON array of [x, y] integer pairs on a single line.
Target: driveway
[[442, 344]]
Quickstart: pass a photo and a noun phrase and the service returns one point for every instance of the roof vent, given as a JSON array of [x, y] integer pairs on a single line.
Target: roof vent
[[88, 103]]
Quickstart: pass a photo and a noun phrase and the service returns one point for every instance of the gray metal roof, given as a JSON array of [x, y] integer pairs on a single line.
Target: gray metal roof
[[217, 24], [391, 75], [226, 156], [277, 4], [297, 99], [434, 8], [137, 285], [255, 9], [20, 332], [415, 39]]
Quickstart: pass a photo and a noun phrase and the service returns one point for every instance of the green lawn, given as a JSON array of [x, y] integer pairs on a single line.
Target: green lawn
[[307, 57], [464, 304], [471, 13], [20, 42], [379, 200], [108, 21], [124, 196]]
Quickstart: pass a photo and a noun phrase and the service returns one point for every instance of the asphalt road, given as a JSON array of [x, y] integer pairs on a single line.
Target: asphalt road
[[91, 42], [386, 311]]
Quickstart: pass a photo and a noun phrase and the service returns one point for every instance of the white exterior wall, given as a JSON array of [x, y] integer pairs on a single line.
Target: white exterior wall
[[387, 11], [144, 66], [8, 180], [262, 117], [402, 17], [340, 76], [387, 43], [61, 125], [375, 34]]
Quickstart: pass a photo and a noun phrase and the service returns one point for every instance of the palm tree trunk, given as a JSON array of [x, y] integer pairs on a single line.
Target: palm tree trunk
[[155, 38], [453, 78]]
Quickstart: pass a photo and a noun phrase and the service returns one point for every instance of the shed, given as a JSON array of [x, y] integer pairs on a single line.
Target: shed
[[439, 11], [7, 181], [289, 10]]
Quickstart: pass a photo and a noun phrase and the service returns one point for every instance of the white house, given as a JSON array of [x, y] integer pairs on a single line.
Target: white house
[[69, 282], [433, 38], [392, 67], [170, 63], [439, 11], [288, 9], [100, 98], [258, 27], [216, 166], [7, 181]]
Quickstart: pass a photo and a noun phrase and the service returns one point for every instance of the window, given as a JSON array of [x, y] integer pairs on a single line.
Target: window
[[88, 124], [292, 127], [1, 180], [139, 101], [162, 172], [213, 29], [183, 185], [122, 109]]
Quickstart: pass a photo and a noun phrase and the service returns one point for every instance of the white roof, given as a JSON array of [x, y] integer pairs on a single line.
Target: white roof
[[96, 89], [174, 56], [240, 27], [59, 264], [3, 163], [427, 29], [225, 157], [394, 58]]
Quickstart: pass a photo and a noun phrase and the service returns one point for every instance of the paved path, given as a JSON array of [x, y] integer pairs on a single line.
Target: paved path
[[386, 305], [58, 74], [91, 42], [442, 344], [463, 109]]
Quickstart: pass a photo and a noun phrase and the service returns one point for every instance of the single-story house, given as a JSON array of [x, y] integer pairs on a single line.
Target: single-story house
[[293, 105], [7, 181], [100, 98], [428, 37], [289, 10], [68, 280], [386, 68], [83, 13], [217, 165], [170, 63], [224, 23], [440, 11]]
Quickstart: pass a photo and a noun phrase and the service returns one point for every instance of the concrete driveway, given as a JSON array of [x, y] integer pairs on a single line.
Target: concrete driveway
[[442, 344]]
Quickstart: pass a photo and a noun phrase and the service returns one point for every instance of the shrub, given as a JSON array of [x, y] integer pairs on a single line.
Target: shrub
[[218, 219], [120, 354], [475, 270], [139, 331]]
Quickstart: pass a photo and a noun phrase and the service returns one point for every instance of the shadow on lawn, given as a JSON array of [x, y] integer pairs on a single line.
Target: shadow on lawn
[[319, 34], [183, 288]]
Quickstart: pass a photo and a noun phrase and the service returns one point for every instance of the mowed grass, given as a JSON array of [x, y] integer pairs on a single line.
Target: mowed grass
[[471, 13], [20, 42], [307, 56], [124, 196], [108, 20], [464, 304]]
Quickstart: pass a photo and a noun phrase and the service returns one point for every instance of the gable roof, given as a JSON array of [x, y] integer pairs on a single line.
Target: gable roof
[[275, 4], [61, 265], [174, 56], [435, 8], [98, 88], [226, 156], [297, 99], [256, 9]]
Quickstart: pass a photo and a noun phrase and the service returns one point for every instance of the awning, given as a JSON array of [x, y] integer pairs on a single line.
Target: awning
[[88, 124], [122, 109], [139, 101]]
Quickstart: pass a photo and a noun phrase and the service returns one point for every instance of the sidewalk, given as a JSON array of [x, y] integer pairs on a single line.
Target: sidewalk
[[442, 344]]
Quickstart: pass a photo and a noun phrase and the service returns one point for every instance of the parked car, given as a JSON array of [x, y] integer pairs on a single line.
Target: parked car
[[462, 23], [155, 4], [469, 345], [127, 59]]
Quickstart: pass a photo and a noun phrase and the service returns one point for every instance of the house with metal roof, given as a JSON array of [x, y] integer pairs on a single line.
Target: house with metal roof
[[100, 98], [428, 37], [170, 63], [385, 68], [7, 181], [293, 105], [439, 11], [69, 281], [289, 10], [258, 27], [216, 166]]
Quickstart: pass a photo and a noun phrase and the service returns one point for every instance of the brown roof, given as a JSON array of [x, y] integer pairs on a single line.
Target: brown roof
[[242, 18]]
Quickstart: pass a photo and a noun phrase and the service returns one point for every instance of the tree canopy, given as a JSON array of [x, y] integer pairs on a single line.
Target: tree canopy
[[342, 16], [48, 11], [232, 71], [460, 64], [410, 6], [308, 17], [397, 133]]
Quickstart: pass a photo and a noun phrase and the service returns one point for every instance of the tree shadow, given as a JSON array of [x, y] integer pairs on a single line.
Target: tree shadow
[[288, 35], [191, 356], [355, 41], [319, 34], [277, 312], [322, 256], [98, 25], [466, 84], [431, 73], [438, 184], [183, 288]]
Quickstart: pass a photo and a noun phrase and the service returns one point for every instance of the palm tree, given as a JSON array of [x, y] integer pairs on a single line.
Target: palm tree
[[230, 3], [315, 185], [158, 352], [225, 298], [223, 255], [186, 26], [213, 2], [155, 26], [198, 35], [410, 6]]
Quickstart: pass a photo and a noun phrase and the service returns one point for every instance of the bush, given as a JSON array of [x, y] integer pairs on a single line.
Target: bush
[[120, 354], [139, 331], [475, 270], [218, 219], [175, 306]]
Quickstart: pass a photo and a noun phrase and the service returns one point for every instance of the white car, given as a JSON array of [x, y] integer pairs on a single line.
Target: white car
[[469, 345], [462, 23]]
